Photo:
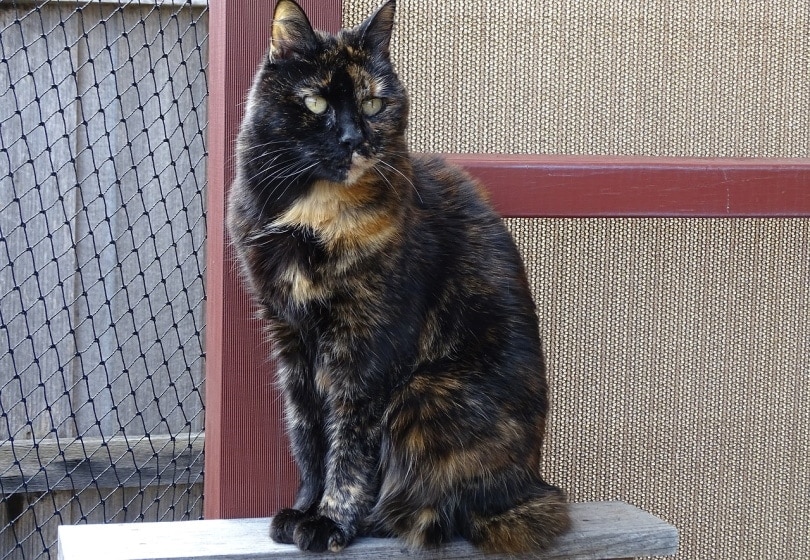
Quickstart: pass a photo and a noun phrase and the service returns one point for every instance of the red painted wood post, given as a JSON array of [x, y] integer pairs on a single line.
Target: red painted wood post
[[248, 470]]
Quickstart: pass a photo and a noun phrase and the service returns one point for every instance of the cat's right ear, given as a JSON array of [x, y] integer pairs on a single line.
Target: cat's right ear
[[375, 32], [292, 33]]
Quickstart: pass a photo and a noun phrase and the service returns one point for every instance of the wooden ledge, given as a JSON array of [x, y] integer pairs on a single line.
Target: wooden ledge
[[601, 530]]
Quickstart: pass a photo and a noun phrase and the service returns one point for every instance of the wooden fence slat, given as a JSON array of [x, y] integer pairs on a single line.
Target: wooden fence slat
[[119, 461]]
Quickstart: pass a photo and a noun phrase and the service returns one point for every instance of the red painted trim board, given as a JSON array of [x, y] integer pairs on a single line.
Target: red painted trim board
[[587, 186]]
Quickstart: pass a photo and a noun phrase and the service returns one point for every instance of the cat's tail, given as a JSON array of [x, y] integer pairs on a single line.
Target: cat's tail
[[529, 526]]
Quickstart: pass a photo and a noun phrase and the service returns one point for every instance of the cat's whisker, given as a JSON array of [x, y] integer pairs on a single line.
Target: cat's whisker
[[299, 173], [263, 165], [261, 145], [272, 155], [272, 171], [265, 181], [296, 172], [392, 168], [261, 148], [384, 178], [288, 176]]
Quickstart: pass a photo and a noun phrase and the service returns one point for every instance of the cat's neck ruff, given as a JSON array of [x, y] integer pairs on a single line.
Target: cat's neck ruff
[[343, 216]]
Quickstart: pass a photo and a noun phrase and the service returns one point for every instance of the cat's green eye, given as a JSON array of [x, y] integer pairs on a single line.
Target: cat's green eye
[[315, 103], [372, 106]]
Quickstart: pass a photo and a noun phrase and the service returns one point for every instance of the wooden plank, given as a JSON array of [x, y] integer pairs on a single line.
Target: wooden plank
[[103, 297], [523, 186], [33, 533], [139, 228], [33, 529], [101, 273], [37, 198], [120, 461], [600, 530]]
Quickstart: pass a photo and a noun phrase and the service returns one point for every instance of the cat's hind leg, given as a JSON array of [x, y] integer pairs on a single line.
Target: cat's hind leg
[[512, 513], [419, 526], [457, 461], [423, 425]]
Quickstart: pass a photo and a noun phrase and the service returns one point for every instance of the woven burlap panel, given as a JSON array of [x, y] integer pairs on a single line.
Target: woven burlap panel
[[643, 77], [679, 354], [679, 349]]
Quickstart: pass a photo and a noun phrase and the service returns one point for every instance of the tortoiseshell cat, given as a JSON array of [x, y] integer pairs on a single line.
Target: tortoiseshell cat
[[399, 310]]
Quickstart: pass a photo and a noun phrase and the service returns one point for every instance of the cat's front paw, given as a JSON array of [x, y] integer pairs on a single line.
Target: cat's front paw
[[283, 525], [318, 534]]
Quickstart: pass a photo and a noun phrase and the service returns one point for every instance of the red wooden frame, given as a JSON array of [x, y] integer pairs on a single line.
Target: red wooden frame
[[248, 471], [590, 186]]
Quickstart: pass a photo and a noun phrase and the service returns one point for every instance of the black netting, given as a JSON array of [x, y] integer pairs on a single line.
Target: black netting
[[102, 233]]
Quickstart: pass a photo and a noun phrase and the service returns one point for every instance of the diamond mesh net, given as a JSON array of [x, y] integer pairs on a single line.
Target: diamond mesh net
[[102, 235]]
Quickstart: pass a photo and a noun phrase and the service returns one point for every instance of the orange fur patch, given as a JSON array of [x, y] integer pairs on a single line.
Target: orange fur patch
[[337, 213]]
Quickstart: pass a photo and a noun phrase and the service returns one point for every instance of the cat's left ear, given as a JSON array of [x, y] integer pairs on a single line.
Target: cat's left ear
[[292, 33], [375, 32]]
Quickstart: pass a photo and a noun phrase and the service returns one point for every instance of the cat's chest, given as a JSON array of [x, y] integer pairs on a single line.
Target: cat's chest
[[302, 283], [291, 266], [295, 269], [333, 240], [347, 221]]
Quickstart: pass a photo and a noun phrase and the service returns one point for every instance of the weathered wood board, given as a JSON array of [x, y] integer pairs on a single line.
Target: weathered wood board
[[119, 461], [601, 530]]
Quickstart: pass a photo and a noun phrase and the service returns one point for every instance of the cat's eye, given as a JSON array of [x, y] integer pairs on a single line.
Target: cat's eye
[[372, 106], [315, 103]]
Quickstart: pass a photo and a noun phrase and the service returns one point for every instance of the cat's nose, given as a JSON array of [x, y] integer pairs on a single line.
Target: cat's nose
[[351, 137]]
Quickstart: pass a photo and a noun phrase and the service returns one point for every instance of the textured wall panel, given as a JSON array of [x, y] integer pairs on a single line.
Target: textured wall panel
[[678, 352], [694, 78]]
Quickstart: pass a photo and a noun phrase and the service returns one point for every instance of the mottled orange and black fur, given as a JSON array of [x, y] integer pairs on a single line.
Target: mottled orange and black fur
[[398, 307]]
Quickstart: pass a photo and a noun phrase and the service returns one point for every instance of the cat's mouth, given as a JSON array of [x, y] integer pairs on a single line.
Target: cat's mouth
[[353, 168]]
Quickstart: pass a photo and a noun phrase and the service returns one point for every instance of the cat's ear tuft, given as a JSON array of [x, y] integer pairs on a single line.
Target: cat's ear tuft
[[292, 33], [375, 32]]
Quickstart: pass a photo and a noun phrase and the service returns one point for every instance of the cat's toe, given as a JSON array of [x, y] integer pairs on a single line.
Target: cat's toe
[[318, 534], [282, 528]]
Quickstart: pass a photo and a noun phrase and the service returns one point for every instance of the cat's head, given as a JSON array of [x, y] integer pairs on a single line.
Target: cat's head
[[325, 107]]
